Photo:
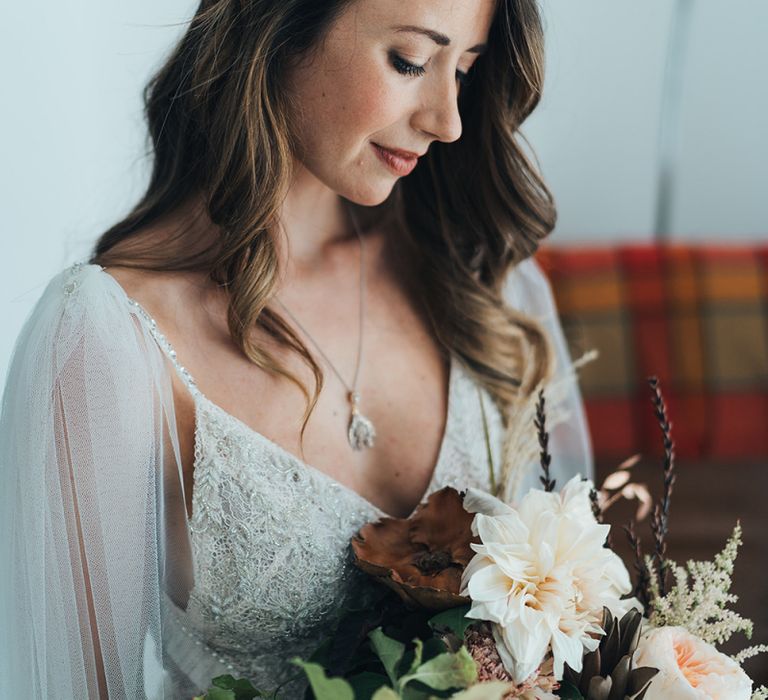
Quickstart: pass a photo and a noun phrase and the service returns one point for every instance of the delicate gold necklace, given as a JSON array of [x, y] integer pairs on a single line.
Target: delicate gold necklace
[[360, 431]]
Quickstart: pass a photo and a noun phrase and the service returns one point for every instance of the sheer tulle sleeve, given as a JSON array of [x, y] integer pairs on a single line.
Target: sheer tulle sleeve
[[527, 289], [88, 468]]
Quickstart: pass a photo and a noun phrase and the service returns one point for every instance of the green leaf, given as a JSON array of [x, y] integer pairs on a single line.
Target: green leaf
[[229, 688], [492, 690], [568, 691], [453, 619], [385, 693], [323, 687], [434, 647], [445, 671], [417, 654], [220, 694], [366, 684], [389, 650], [241, 688]]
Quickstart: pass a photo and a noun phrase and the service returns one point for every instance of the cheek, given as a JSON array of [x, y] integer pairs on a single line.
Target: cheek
[[352, 104]]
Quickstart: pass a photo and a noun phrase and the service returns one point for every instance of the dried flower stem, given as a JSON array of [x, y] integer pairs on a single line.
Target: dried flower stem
[[642, 589], [541, 426], [660, 518], [597, 511]]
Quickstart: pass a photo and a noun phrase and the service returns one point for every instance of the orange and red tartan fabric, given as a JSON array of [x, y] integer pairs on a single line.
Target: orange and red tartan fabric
[[696, 316]]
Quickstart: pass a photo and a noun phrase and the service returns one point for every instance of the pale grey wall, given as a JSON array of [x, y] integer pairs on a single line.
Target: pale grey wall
[[598, 128], [72, 136], [71, 132]]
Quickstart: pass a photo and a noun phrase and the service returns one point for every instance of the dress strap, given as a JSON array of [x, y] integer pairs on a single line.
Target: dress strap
[[166, 347]]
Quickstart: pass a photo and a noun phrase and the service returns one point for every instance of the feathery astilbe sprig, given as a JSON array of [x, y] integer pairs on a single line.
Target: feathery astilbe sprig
[[700, 598], [642, 590], [545, 458], [660, 518], [749, 652]]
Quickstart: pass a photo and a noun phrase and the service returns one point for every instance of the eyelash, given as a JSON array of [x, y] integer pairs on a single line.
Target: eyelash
[[411, 69]]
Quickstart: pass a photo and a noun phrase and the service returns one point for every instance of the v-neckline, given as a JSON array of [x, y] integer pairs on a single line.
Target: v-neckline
[[198, 397]]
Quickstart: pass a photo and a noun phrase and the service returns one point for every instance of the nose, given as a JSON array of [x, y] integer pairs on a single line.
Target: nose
[[439, 115]]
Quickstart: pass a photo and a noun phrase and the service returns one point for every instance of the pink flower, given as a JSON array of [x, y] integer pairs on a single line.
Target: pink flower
[[689, 669]]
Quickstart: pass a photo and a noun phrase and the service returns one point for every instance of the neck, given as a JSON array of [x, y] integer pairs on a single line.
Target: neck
[[315, 226]]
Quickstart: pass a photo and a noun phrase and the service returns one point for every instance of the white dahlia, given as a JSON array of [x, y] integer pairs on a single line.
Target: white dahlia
[[541, 576]]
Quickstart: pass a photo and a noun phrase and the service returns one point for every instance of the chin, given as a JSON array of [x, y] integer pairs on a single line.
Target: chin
[[368, 194]]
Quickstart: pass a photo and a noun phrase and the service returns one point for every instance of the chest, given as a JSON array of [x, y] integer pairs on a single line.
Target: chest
[[403, 381]]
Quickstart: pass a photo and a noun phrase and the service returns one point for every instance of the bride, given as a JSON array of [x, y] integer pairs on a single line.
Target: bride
[[323, 309]]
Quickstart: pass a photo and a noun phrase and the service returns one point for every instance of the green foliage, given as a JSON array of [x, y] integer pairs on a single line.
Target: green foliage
[[366, 684], [325, 688], [229, 688], [490, 690], [450, 626], [389, 650], [568, 691], [453, 620], [444, 672], [386, 693]]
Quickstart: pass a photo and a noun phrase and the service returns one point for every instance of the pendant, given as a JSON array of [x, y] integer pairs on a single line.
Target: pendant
[[361, 432]]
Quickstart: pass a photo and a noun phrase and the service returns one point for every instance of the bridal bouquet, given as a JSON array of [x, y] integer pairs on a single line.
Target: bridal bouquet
[[486, 600]]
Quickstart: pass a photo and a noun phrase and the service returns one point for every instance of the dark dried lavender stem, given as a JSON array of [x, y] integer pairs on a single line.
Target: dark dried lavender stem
[[546, 458], [642, 589], [597, 511], [660, 519]]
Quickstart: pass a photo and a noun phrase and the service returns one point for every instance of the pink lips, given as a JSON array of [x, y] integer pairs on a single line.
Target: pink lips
[[400, 162]]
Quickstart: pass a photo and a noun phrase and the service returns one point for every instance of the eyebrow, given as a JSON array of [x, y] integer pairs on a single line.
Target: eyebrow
[[437, 37]]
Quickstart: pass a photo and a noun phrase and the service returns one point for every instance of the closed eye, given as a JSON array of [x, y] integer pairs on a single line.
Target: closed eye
[[412, 69]]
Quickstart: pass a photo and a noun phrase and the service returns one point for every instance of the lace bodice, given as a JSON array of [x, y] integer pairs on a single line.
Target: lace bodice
[[270, 534]]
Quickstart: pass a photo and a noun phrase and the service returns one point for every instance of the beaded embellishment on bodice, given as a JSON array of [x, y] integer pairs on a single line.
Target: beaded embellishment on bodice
[[270, 534]]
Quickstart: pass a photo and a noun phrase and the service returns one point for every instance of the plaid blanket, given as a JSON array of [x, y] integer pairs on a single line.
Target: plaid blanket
[[696, 316]]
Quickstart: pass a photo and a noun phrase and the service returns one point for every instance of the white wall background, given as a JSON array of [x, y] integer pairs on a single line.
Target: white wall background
[[72, 136]]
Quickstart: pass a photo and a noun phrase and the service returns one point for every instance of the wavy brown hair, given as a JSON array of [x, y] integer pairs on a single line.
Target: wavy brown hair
[[220, 133]]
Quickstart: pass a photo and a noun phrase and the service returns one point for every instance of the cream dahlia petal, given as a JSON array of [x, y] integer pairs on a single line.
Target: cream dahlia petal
[[476, 563], [489, 584], [575, 499], [537, 502], [566, 650], [521, 651], [477, 501], [504, 528]]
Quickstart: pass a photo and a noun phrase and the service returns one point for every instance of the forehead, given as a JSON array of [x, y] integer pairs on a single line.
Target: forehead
[[464, 22]]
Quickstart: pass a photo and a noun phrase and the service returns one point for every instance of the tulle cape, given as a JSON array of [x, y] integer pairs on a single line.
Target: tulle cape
[[94, 536]]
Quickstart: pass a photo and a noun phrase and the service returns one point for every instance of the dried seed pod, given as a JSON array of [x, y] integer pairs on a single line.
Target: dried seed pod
[[422, 557]]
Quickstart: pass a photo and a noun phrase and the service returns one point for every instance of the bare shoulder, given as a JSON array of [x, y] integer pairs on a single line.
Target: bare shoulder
[[164, 295], [145, 286]]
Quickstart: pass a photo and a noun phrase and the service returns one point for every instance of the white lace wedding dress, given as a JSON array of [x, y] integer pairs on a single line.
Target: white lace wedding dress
[[100, 558]]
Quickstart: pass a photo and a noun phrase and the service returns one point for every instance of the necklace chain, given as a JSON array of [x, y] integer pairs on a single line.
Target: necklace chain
[[361, 432], [361, 309]]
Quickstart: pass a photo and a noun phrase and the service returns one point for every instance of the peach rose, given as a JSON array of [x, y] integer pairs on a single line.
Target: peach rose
[[689, 669]]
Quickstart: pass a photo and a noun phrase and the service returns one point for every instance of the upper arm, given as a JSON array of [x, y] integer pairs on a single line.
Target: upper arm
[[81, 449]]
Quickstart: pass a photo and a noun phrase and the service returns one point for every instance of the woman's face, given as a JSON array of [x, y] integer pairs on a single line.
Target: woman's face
[[387, 75]]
